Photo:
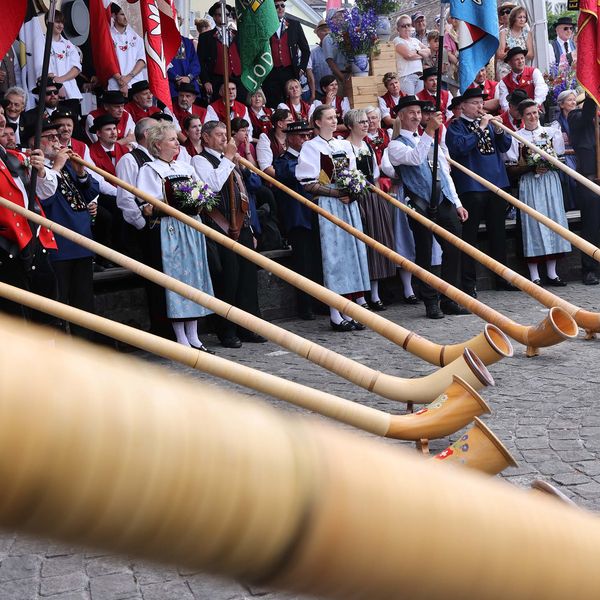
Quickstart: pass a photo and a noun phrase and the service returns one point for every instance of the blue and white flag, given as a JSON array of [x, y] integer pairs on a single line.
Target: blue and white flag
[[477, 36]]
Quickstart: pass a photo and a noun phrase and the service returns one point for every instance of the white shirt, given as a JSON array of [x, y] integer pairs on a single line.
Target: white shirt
[[298, 108], [404, 66], [215, 178], [540, 86], [63, 57], [127, 169], [383, 107], [345, 106], [264, 154], [129, 48], [308, 169], [89, 121], [402, 154], [536, 138], [211, 115]]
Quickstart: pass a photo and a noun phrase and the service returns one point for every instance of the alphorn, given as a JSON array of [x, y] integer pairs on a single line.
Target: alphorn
[[490, 346], [112, 454], [590, 321], [557, 327], [420, 390], [450, 412]]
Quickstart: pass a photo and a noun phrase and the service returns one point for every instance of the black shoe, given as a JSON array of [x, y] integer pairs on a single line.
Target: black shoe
[[203, 348], [412, 299], [378, 306], [506, 286], [343, 326], [452, 308], [356, 325], [590, 279], [472, 293], [252, 338], [557, 282], [231, 341], [307, 315], [433, 311], [538, 282]]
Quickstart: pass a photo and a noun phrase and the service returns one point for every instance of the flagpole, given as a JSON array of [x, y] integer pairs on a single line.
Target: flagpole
[[433, 200], [226, 41], [41, 107]]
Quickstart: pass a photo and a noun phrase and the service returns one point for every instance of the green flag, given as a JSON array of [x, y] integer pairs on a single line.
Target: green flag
[[257, 22]]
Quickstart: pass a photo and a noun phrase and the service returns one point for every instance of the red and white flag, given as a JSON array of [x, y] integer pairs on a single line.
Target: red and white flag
[[588, 37], [13, 17], [105, 57]]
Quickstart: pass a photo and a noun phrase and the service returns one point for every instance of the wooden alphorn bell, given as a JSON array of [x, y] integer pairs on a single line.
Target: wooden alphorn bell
[[419, 390], [557, 327], [490, 346], [450, 412], [112, 454]]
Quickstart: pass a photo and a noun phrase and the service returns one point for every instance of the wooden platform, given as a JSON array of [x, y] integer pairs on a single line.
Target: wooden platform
[[365, 90]]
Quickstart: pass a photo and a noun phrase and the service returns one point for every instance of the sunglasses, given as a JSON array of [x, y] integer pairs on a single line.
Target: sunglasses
[[567, 27], [280, 5], [51, 92], [404, 25], [505, 11]]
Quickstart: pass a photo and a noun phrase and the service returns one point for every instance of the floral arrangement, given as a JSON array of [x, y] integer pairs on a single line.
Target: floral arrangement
[[356, 33], [380, 7], [352, 181], [535, 160], [195, 195], [559, 78]]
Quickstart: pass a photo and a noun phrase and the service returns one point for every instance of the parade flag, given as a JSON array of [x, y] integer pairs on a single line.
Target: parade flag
[[333, 5], [588, 37], [257, 22], [477, 36], [13, 17], [105, 58]]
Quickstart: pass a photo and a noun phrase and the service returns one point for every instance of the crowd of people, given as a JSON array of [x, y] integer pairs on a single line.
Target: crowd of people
[[300, 129]]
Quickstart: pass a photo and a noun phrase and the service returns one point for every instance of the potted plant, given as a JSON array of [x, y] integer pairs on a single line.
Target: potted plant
[[382, 8], [356, 37]]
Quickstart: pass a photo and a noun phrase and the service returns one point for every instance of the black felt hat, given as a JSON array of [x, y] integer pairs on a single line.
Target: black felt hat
[[112, 97], [514, 51], [408, 101], [517, 96], [63, 113], [29, 130], [474, 92], [162, 116], [50, 83], [138, 86], [428, 107], [428, 72], [187, 87], [101, 121], [564, 21], [298, 127]]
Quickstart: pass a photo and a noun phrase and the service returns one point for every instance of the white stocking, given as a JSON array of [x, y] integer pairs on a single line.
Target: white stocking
[[551, 268], [533, 271], [179, 329], [191, 332], [406, 279], [375, 291], [335, 316]]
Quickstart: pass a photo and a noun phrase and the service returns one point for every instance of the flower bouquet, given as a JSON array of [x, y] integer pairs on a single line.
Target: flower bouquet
[[356, 34], [560, 77], [191, 197], [535, 160], [352, 182]]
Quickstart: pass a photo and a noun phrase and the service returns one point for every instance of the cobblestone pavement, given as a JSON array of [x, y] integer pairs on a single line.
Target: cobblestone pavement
[[545, 410]]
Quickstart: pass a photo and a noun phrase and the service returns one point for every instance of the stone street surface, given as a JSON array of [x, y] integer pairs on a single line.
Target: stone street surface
[[544, 409]]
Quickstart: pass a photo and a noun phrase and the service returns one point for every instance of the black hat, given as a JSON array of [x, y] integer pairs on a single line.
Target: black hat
[[29, 130], [63, 113], [517, 96], [13, 126], [190, 88], [564, 21], [115, 9], [101, 121], [514, 51], [474, 92], [428, 107], [408, 101], [428, 72], [455, 102], [112, 97], [162, 116], [138, 86], [298, 127], [50, 83]]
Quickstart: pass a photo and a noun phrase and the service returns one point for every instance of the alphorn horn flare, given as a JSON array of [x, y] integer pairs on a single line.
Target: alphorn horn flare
[[579, 316], [450, 412], [170, 470], [420, 390], [491, 345], [553, 329]]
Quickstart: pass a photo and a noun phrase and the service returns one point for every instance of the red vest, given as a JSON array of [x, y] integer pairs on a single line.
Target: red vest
[[525, 82], [181, 114], [262, 125], [190, 148], [280, 51], [304, 108], [379, 147], [238, 110], [101, 158], [235, 64], [505, 117], [122, 123], [137, 112], [78, 147], [390, 101], [427, 97], [14, 227]]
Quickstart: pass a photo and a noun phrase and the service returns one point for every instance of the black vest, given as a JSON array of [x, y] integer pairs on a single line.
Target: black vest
[[225, 203], [140, 156]]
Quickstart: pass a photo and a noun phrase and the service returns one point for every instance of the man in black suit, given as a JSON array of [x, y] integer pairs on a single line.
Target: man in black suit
[[290, 52], [210, 55]]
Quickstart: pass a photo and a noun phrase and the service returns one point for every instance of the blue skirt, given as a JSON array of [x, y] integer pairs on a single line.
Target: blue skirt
[[345, 268], [184, 258]]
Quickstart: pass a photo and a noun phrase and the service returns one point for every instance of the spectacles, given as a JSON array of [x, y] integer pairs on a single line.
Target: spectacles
[[365, 122], [51, 137], [505, 11], [567, 28], [51, 92]]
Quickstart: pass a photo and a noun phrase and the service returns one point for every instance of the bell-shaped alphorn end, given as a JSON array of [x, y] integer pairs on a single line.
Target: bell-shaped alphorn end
[[478, 448], [556, 327]]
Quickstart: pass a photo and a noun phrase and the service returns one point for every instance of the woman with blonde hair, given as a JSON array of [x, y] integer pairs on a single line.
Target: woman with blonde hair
[[518, 34]]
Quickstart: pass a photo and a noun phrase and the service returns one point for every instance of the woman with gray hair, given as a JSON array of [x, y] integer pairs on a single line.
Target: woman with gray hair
[[374, 211], [183, 249], [567, 101]]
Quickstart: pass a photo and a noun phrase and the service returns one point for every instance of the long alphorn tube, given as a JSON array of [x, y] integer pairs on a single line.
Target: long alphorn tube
[[490, 346], [555, 328], [448, 413], [590, 321], [114, 455], [421, 390], [564, 232]]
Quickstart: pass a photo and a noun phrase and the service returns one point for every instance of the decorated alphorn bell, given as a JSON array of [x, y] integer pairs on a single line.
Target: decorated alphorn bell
[[419, 390], [541, 294], [113, 454], [491, 345], [557, 327], [450, 412], [590, 321]]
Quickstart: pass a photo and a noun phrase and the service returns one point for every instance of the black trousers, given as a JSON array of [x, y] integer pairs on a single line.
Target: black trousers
[[589, 205], [306, 261], [488, 207], [41, 280], [76, 288], [448, 219], [274, 85], [236, 283]]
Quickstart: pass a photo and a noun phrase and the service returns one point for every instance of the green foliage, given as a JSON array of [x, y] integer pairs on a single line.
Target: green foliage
[[553, 18]]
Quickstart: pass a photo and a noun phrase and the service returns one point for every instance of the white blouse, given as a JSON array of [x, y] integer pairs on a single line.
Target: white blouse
[[150, 177], [309, 161], [535, 137], [407, 67], [63, 57]]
